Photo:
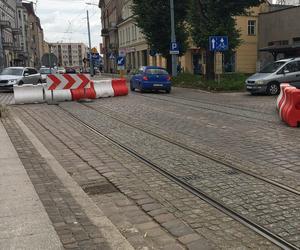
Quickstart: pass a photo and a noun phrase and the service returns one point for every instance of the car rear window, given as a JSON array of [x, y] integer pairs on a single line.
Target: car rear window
[[156, 72]]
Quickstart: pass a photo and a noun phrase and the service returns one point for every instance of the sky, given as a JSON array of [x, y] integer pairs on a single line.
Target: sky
[[65, 20]]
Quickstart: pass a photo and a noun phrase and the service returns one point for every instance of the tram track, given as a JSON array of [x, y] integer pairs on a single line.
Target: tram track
[[266, 233], [261, 230], [212, 109], [198, 152]]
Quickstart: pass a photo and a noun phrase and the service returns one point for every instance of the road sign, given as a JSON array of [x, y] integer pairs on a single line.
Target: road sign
[[94, 50], [174, 48], [111, 56], [122, 52], [218, 43], [67, 81], [121, 62]]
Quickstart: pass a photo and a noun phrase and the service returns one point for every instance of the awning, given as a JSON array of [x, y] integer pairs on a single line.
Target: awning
[[281, 48]]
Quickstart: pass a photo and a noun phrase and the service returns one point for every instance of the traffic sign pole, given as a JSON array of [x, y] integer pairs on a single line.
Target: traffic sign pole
[[90, 44], [173, 39]]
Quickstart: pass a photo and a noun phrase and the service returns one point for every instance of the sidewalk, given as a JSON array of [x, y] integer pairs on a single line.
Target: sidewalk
[[24, 223]]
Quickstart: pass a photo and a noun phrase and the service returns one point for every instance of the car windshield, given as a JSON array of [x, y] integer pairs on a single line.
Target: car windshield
[[271, 68], [45, 71], [12, 72], [156, 72]]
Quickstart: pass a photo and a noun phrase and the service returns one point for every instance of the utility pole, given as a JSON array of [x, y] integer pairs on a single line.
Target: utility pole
[[90, 44], [173, 39]]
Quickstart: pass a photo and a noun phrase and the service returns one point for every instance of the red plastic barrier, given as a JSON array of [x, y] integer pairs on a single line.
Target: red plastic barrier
[[281, 95], [89, 93], [284, 101], [292, 112], [119, 86]]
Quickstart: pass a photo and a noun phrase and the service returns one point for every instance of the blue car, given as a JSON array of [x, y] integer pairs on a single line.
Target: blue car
[[150, 78]]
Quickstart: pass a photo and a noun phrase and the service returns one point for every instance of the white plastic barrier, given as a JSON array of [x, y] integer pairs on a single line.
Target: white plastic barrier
[[103, 88], [58, 95], [26, 94]]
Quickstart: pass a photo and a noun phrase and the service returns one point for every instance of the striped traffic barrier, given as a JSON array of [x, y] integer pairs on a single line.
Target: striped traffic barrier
[[103, 88], [280, 97], [52, 96], [27, 94], [83, 93], [68, 81], [120, 87]]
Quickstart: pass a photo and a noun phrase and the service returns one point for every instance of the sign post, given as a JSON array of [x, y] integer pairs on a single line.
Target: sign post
[[121, 65], [218, 44]]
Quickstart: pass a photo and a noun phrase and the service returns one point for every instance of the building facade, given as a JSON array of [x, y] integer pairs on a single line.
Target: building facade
[[131, 40], [8, 33], [111, 15], [34, 37], [69, 54], [275, 45]]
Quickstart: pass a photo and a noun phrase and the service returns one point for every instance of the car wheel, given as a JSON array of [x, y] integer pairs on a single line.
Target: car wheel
[[141, 88], [131, 87], [20, 83], [168, 91], [39, 81], [273, 88]]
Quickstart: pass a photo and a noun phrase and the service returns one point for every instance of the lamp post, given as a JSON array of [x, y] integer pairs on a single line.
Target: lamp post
[[173, 39], [90, 44]]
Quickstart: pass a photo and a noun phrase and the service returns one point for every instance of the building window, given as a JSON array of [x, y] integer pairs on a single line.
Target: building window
[[251, 27], [296, 40]]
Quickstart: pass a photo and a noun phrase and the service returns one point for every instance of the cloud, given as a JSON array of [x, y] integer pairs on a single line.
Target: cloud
[[65, 20]]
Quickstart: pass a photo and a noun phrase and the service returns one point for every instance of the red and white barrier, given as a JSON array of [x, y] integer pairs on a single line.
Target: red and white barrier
[[113, 87], [68, 81], [104, 88], [120, 87], [66, 87], [280, 96], [290, 108], [57, 95]]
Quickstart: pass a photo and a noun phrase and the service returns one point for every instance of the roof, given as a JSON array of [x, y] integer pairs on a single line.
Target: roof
[[281, 48], [283, 8]]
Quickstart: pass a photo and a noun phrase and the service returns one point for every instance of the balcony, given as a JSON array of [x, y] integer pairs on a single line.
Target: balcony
[[7, 45], [113, 26], [104, 32], [16, 31], [4, 24]]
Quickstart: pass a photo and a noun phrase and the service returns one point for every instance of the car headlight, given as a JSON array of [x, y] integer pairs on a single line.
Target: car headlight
[[12, 82], [259, 82]]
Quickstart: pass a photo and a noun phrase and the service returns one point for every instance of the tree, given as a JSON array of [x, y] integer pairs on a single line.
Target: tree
[[216, 17], [154, 19]]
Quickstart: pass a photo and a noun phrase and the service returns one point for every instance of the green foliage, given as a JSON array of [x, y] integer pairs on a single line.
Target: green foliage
[[154, 19], [228, 82], [216, 17]]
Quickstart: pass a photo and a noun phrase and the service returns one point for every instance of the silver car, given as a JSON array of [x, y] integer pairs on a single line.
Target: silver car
[[45, 72], [18, 76], [268, 80]]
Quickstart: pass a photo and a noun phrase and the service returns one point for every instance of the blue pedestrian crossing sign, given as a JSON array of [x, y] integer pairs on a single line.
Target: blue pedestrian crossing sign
[[174, 48], [218, 43], [121, 62]]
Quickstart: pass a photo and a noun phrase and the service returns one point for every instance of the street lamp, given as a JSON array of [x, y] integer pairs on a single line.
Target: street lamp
[[90, 43]]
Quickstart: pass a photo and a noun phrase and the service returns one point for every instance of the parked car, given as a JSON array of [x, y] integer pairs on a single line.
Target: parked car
[[151, 78], [268, 79], [61, 70], [70, 71], [46, 71], [18, 76]]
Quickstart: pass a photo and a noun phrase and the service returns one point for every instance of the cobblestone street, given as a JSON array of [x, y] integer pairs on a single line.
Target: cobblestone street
[[122, 152]]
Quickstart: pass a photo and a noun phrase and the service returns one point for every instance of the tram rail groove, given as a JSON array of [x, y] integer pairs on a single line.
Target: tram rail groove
[[198, 152], [267, 234]]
